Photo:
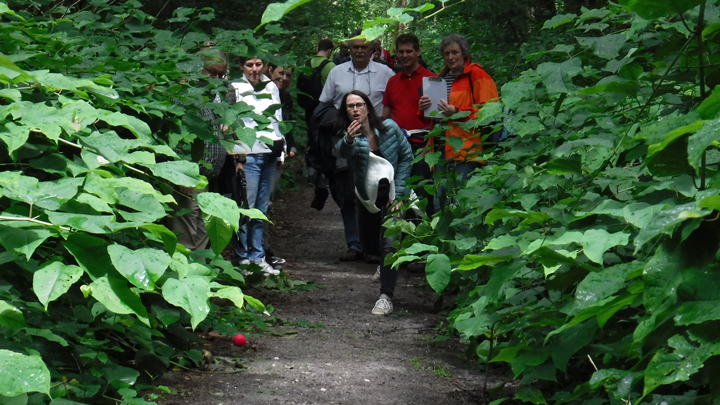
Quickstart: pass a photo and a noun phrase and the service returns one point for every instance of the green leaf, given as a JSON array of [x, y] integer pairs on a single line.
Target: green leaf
[[142, 267], [23, 241], [11, 316], [603, 311], [215, 205], [710, 107], [276, 11], [617, 382], [530, 394], [666, 368], [471, 262], [53, 280], [456, 142], [180, 172], [14, 136], [597, 241], [10, 73], [20, 374], [90, 253], [654, 9], [138, 127], [606, 46], [694, 312], [233, 294], [255, 303], [560, 166], [667, 221], [557, 76], [559, 20], [507, 354], [437, 271], [498, 278], [417, 247], [190, 294], [114, 294], [570, 342], [89, 223], [166, 235], [598, 286], [699, 141], [712, 202], [529, 217], [47, 334], [220, 232]]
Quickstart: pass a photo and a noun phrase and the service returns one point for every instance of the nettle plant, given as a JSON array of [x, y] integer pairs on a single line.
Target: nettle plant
[[100, 125], [585, 253]]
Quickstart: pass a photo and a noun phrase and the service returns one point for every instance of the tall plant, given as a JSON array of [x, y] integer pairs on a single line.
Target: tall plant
[[585, 252], [100, 125]]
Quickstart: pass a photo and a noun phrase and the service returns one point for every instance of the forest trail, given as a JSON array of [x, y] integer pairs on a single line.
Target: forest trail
[[354, 357]]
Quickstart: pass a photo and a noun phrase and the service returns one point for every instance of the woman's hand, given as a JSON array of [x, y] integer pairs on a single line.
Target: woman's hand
[[353, 131], [238, 167], [447, 109], [424, 103]]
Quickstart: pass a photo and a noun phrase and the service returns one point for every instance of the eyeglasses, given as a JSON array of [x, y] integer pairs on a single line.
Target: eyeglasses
[[359, 106]]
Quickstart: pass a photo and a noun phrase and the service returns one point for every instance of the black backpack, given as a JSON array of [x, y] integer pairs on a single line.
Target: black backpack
[[312, 87]]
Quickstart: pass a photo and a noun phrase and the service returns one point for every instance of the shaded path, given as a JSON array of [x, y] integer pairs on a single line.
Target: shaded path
[[356, 358]]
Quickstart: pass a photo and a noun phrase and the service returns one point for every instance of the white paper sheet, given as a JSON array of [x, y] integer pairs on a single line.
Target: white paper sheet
[[436, 89]]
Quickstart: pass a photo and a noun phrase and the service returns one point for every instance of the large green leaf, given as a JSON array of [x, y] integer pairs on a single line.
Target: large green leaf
[[146, 208], [20, 374], [23, 241], [699, 141], [667, 221], [600, 285], [557, 76], [666, 367], [220, 232], [276, 11], [180, 172], [14, 136], [617, 382], [470, 262], [570, 342], [89, 223], [653, 9], [142, 267], [606, 46], [53, 280], [91, 254], [498, 278], [215, 205], [694, 312], [115, 295], [11, 316], [47, 194], [437, 271], [597, 241], [190, 294], [231, 293]]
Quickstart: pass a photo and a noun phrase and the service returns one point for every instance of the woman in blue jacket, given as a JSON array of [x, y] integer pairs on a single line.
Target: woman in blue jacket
[[381, 160]]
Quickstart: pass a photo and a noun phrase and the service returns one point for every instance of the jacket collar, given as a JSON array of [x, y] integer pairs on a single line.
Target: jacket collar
[[372, 67], [468, 67]]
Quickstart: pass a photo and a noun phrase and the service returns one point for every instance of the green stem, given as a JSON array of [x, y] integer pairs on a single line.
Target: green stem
[[701, 73]]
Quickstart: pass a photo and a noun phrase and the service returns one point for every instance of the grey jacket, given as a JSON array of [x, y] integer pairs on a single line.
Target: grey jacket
[[395, 149]]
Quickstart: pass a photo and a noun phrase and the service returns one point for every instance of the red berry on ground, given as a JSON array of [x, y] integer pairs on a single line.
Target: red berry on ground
[[239, 340]]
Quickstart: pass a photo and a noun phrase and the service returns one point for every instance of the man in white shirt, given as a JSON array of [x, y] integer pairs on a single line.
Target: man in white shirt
[[360, 73]]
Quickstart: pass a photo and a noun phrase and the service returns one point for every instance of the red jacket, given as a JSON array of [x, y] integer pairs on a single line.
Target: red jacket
[[467, 97]]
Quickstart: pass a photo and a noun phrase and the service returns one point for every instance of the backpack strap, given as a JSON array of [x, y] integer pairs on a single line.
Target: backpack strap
[[322, 65]]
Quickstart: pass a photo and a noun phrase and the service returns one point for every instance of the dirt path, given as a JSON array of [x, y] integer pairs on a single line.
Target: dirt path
[[356, 358]]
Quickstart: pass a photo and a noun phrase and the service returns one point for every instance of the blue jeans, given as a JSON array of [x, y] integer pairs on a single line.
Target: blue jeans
[[259, 173]]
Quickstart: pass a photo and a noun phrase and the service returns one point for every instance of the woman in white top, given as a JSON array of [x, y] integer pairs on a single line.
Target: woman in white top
[[262, 158]]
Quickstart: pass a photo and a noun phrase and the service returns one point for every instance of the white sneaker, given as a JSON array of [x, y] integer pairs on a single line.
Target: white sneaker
[[383, 306], [245, 272], [376, 276], [267, 269]]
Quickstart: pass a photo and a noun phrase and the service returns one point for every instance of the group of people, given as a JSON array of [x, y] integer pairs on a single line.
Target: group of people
[[380, 125], [370, 122]]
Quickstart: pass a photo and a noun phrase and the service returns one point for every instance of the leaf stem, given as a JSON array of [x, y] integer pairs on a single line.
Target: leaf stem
[[33, 220]]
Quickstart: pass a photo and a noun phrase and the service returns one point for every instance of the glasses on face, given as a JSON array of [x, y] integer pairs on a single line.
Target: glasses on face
[[358, 106]]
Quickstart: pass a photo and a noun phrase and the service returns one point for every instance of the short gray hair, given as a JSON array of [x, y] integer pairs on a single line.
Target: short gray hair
[[456, 39]]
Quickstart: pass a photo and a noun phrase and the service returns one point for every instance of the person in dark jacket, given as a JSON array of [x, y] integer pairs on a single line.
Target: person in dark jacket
[[381, 160]]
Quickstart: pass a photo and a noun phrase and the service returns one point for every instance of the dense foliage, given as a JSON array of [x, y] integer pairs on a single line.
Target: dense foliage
[[585, 253], [100, 126]]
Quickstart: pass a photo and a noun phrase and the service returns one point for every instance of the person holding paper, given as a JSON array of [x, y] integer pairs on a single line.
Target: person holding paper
[[469, 87]]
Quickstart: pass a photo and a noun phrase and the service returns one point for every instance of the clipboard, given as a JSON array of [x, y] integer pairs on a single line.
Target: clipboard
[[436, 89]]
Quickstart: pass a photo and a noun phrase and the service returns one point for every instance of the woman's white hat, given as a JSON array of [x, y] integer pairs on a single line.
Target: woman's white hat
[[378, 169]]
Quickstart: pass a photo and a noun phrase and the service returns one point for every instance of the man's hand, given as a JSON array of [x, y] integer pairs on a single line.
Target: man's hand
[[424, 103]]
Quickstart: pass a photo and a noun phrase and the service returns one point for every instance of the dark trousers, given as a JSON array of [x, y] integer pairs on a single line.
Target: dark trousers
[[372, 235], [342, 188]]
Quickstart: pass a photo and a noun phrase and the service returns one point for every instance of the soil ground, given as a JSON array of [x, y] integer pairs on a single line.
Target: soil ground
[[352, 357]]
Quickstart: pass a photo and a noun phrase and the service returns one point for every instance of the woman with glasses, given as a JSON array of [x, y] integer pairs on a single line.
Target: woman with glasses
[[261, 158], [381, 159]]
